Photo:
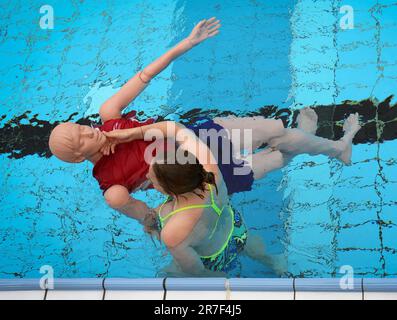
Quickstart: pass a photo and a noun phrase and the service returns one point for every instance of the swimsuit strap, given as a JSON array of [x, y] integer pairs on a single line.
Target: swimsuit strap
[[213, 203], [214, 255], [197, 206], [163, 219]]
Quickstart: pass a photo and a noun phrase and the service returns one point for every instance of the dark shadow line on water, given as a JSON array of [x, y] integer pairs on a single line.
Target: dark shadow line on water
[[379, 124]]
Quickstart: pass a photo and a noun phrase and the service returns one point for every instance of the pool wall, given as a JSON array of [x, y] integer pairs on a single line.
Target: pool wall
[[197, 288]]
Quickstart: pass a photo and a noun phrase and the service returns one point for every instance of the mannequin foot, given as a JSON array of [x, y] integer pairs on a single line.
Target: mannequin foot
[[350, 128], [307, 120]]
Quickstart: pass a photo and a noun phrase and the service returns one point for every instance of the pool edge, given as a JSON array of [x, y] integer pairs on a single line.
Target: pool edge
[[293, 286]]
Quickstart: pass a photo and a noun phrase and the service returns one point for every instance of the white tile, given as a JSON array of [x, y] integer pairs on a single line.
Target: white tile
[[195, 295], [260, 295], [74, 295], [133, 295], [380, 295], [22, 295], [304, 295]]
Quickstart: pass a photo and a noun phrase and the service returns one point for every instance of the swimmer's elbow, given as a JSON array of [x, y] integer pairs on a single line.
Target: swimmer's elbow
[[109, 110], [170, 239]]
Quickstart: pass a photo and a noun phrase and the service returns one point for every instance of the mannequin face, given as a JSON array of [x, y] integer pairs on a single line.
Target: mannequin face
[[88, 140], [72, 142]]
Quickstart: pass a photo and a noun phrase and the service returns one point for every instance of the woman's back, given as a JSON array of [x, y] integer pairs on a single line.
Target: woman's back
[[210, 226]]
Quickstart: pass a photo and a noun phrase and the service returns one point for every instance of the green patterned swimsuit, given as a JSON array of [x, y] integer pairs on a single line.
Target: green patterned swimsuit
[[224, 259]]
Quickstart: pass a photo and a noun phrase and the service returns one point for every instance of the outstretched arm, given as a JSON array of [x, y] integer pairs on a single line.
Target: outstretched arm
[[113, 107]]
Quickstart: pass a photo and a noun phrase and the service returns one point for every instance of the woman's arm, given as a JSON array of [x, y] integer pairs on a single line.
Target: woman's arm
[[188, 263], [113, 107], [166, 129]]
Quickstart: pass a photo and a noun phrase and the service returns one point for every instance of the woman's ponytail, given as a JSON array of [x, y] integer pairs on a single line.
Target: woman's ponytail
[[209, 177], [177, 178]]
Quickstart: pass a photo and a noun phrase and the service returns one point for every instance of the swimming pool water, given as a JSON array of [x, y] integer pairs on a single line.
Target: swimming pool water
[[287, 55]]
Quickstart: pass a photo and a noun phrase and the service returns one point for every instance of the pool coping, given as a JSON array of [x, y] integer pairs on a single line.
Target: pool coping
[[294, 285]]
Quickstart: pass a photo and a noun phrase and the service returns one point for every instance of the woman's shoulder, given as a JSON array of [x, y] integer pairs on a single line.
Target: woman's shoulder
[[179, 227], [170, 209]]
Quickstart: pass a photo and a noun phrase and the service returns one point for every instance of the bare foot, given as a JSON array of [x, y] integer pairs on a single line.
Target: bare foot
[[350, 128], [307, 120]]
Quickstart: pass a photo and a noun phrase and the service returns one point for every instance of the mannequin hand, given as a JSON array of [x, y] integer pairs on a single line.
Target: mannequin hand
[[203, 30], [108, 148], [123, 135]]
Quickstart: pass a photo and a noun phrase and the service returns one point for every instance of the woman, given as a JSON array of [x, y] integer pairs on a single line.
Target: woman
[[201, 230], [196, 222]]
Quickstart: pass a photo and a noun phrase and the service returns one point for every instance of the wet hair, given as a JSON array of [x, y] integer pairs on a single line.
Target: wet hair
[[178, 177]]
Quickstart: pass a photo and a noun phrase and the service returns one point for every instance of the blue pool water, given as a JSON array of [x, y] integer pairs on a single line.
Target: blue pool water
[[286, 54]]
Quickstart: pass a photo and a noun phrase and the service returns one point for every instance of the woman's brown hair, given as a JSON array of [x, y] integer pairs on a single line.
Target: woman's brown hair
[[178, 178]]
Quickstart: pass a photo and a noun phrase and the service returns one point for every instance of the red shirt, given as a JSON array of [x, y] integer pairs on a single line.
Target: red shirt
[[127, 166]]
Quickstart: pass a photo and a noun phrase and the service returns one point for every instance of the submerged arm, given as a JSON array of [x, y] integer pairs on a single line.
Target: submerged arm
[[175, 235], [188, 263]]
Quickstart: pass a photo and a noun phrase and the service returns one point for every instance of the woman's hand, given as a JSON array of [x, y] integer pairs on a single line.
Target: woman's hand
[[115, 137], [150, 225], [203, 30]]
